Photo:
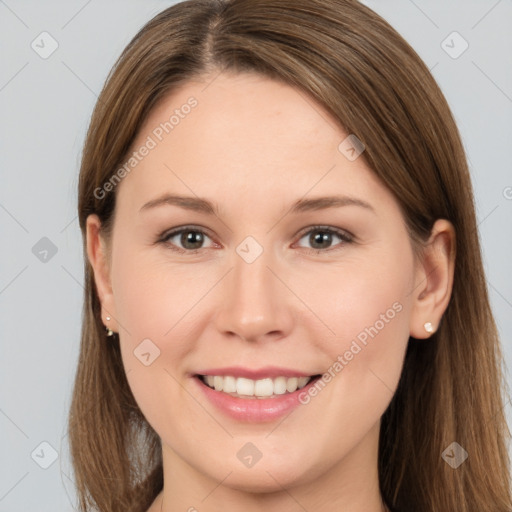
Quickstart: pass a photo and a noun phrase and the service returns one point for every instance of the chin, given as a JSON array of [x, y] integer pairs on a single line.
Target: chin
[[265, 479]]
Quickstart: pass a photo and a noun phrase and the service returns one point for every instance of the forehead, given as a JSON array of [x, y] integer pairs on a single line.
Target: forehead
[[244, 135], [240, 115]]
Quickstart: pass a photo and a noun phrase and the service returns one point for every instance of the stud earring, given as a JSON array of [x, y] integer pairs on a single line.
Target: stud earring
[[110, 332], [428, 327]]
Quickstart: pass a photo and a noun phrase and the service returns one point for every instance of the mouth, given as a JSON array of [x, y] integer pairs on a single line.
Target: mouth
[[254, 395], [251, 389]]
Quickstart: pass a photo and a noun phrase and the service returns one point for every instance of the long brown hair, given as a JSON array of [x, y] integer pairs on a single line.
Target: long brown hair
[[352, 62]]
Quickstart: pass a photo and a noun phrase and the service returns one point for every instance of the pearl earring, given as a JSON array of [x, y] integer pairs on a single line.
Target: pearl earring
[[428, 327]]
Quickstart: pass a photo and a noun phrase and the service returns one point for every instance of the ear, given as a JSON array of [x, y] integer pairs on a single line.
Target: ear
[[433, 280], [98, 256]]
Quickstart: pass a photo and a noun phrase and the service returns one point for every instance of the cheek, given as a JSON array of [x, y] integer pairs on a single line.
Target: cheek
[[150, 304], [151, 298], [367, 305]]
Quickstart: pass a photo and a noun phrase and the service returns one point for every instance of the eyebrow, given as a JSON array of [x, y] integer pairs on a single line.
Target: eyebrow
[[302, 205]]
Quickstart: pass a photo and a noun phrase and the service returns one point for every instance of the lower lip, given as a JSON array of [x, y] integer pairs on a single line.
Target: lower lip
[[254, 409]]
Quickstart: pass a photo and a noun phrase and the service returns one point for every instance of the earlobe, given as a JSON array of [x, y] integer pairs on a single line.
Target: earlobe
[[433, 280], [97, 253]]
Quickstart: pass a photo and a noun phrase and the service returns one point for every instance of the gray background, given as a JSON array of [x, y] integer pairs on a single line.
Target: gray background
[[46, 105]]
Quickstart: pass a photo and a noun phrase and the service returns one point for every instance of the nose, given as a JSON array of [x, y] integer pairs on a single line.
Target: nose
[[255, 304]]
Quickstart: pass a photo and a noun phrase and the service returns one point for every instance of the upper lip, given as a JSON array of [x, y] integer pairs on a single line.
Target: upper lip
[[255, 374]]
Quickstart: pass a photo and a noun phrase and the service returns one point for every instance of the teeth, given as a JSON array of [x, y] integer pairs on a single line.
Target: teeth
[[280, 385], [262, 388], [218, 383], [302, 381], [244, 386], [292, 384], [229, 385]]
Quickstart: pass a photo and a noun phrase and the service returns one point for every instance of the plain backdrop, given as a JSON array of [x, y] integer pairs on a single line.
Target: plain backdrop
[[46, 101]]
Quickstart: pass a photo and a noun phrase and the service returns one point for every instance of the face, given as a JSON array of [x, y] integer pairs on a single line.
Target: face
[[266, 282]]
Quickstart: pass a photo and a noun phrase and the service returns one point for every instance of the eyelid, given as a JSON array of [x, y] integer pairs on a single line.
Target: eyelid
[[331, 229]]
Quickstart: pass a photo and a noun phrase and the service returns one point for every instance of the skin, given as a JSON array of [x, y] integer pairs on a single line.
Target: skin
[[255, 146]]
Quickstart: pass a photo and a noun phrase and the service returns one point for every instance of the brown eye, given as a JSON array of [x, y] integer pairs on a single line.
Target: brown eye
[[191, 239], [322, 238], [185, 239]]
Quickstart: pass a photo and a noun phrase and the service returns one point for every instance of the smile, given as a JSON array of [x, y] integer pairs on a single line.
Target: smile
[[254, 400], [242, 387]]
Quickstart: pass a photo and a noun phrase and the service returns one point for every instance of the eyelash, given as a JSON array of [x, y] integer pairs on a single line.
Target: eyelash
[[346, 238]]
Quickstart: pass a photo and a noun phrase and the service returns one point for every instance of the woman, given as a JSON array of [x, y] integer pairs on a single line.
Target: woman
[[285, 304]]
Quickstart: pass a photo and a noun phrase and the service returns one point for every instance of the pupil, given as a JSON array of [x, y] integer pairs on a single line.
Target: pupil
[[192, 237], [319, 238]]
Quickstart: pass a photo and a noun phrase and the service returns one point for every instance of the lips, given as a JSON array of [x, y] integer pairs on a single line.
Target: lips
[[254, 395]]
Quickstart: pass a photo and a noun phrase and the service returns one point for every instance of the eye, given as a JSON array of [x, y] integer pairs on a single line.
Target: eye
[[321, 238], [191, 239]]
